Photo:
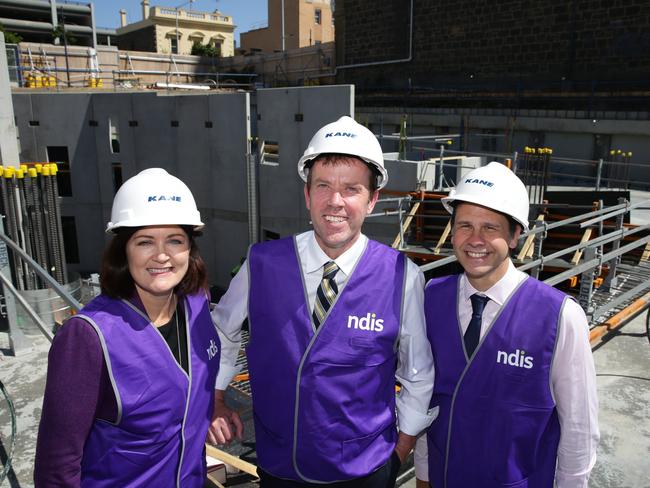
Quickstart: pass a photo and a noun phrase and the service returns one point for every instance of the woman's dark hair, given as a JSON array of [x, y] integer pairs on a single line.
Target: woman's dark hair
[[116, 281]]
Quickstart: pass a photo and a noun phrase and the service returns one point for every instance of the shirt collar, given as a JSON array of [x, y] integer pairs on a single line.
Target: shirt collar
[[500, 291], [314, 258]]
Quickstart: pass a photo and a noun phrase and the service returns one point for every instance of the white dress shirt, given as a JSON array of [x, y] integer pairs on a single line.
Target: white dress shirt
[[415, 363], [573, 381]]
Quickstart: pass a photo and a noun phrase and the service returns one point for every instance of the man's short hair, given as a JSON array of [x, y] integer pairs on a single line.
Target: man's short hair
[[335, 159], [512, 223]]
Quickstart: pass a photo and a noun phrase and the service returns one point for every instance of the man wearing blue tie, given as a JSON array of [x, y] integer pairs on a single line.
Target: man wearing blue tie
[[515, 379]]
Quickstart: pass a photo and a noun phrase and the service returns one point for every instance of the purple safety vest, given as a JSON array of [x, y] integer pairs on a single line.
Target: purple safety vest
[[497, 425], [324, 400], [163, 414]]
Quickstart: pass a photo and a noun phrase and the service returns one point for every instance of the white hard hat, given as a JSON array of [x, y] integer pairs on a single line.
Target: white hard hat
[[495, 187], [154, 197], [345, 136]]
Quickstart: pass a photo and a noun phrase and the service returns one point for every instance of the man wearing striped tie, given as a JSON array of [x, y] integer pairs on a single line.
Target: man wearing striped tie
[[335, 319]]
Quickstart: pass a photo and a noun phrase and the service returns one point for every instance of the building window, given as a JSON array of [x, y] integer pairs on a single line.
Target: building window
[[116, 172], [196, 37], [489, 140], [602, 143], [536, 139], [70, 244], [216, 45], [270, 152], [114, 134], [173, 45], [318, 16], [59, 155]]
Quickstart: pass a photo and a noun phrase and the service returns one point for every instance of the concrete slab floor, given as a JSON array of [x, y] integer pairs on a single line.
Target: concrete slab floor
[[622, 364]]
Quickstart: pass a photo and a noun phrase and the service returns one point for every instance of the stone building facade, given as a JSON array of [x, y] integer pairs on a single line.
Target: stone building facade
[[306, 23], [170, 30], [497, 46]]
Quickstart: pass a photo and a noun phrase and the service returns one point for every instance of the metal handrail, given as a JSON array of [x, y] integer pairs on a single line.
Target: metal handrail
[[545, 227], [602, 214], [28, 308], [597, 241], [592, 263], [42, 272], [614, 212]]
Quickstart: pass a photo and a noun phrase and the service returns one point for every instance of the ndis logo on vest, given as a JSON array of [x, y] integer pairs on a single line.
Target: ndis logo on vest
[[368, 322], [517, 358], [212, 350]]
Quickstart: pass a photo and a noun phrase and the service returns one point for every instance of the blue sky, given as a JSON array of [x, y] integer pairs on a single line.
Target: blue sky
[[246, 14]]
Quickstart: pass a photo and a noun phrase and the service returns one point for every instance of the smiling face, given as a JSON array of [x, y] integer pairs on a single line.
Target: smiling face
[[158, 259], [338, 200], [482, 243]]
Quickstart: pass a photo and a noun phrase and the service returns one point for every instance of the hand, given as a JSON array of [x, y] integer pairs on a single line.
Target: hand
[[225, 424], [405, 444]]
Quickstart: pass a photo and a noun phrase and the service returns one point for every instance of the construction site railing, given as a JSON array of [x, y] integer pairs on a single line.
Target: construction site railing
[[47, 278], [594, 257]]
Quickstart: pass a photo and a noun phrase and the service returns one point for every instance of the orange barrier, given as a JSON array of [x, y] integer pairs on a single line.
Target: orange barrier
[[619, 319]]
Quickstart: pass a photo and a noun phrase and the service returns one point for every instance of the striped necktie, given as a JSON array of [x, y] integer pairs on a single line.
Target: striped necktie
[[326, 293]]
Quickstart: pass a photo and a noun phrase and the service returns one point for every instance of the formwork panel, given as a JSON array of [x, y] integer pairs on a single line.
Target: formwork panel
[[290, 117]]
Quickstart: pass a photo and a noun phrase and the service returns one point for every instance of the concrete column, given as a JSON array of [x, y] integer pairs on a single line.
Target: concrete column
[[122, 17], [8, 133], [145, 9], [55, 19], [92, 20]]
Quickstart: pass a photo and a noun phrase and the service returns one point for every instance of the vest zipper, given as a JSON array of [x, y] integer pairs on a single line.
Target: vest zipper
[[189, 393]]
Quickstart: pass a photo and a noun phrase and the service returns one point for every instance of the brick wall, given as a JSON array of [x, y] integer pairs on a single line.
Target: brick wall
[[495, 43]]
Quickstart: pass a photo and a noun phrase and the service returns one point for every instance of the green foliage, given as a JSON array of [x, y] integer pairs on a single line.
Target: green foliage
[[206, 50], [10, 37], [58, 32]]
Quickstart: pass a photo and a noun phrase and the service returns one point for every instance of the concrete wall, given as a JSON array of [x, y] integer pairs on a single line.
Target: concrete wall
[[211, 160], [174, 132], [278, 114], [310, 65], [570, 138]]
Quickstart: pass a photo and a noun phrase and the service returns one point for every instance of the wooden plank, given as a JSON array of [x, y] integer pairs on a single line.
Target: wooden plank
[[578, 254], [646, 253], [443, 238], [215, 481], [407, 222], [527, 248], [227, 458]]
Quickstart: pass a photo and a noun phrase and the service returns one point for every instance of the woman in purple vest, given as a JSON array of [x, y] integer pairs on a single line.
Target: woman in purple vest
[[130, 384]]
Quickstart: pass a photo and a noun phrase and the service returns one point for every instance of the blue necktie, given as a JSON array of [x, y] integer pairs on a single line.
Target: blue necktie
[[473, 332]]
